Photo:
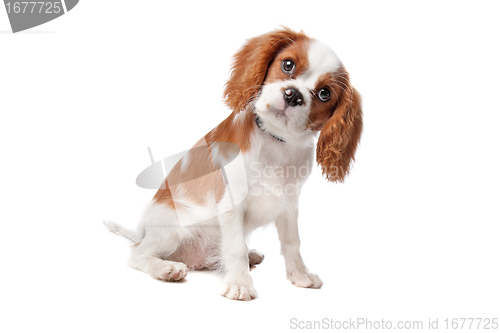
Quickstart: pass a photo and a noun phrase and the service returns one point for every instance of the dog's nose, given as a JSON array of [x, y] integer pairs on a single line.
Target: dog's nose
[[293, 97]]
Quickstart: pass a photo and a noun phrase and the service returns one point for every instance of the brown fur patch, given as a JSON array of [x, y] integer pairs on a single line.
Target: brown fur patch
[[194, 182], [320, 113], [296, 52], [341, 133], [233, 130]]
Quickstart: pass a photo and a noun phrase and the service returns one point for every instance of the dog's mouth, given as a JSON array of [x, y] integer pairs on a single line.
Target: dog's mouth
[[280, 114], [281, 110], [277, 107]]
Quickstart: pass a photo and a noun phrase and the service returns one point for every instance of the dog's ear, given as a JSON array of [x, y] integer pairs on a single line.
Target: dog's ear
[[250, 64], [339, 137]]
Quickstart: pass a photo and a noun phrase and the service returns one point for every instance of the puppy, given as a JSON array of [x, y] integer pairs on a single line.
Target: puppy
[[284, 89]]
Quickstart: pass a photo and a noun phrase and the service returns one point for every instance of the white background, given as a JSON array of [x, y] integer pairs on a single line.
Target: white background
[[413, 233]]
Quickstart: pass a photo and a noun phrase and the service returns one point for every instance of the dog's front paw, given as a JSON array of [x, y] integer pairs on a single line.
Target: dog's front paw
[[238, 291], [172, 271], [305, 280]]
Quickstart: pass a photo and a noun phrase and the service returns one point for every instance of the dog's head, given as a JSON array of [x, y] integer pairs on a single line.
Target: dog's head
[[298, 87]]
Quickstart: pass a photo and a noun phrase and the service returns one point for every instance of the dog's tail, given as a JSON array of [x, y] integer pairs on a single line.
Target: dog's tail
[[119, 230]]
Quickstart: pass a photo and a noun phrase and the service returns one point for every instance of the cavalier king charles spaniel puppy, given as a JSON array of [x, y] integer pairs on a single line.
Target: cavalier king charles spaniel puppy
[[284, 89]]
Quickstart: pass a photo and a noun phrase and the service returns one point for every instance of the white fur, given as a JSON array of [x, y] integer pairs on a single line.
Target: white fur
[[121, 231], [322, 59]]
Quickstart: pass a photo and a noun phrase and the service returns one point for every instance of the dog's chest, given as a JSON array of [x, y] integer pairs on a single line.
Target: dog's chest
[[274, 183]]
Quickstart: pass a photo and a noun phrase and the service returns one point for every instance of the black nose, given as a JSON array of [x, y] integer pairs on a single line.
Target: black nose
[[293, 97]]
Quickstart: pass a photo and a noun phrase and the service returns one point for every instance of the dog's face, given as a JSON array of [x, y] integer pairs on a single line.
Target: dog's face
[[301, 89], [298, 87]]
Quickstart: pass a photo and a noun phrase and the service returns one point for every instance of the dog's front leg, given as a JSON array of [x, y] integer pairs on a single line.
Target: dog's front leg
[[237, 281], [288, 232]]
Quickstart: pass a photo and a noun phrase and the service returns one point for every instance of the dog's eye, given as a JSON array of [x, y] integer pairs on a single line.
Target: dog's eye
[[324, 94], [287, 66]]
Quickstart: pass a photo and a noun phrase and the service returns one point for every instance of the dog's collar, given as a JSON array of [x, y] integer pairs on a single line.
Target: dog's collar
[[260, 125]]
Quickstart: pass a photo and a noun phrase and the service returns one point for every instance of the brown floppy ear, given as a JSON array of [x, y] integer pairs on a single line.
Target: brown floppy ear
[[339, 137], [250, 65]]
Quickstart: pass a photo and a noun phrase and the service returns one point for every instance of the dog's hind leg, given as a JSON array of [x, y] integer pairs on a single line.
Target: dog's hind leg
[[160, 237], [145, 257]]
